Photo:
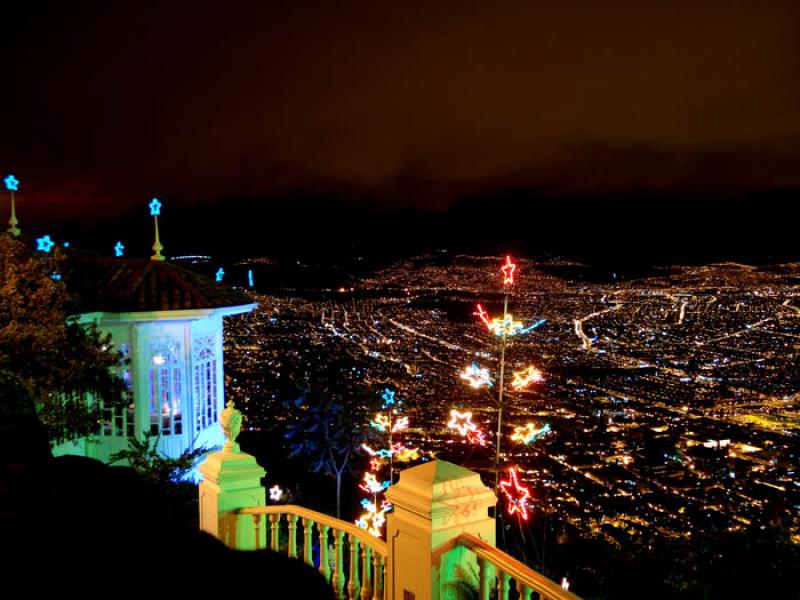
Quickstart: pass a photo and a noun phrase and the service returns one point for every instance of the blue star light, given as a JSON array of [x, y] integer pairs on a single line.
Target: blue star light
[[388, 397], [56, 276], [44, 244], [12, 183], [118, 249], [155, 207], [220, 274]]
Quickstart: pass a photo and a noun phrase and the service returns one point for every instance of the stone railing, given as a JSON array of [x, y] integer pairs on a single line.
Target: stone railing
[[348, 557], [497, 570]]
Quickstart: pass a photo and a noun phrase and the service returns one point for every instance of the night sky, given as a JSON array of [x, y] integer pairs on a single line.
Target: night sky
[[621, 125]]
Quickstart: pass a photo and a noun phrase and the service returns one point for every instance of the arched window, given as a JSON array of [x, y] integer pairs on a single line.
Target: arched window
[[165, 389], [116, 420], [204, 361]]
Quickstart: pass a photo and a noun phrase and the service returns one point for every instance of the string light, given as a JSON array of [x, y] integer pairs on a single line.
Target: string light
[[508, 271], [119, 248], [476, 376], [44, 243], [523, 379], [530, 433], [516, 494]]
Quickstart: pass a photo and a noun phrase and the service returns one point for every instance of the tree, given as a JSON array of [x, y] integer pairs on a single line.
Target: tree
[[57, 361], [330, 424]]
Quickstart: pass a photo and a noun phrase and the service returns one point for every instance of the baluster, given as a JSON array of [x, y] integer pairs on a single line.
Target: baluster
[[366, 584], [308, 548], [523, 590], [292, 536], [338, 568], [257, 527], [485, 578], [352, 584], [502, 585], [324, 564], [377, 576], [274, 530]]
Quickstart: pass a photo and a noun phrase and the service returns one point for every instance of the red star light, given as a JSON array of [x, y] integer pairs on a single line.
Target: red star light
[[516, 494], [508, 271]]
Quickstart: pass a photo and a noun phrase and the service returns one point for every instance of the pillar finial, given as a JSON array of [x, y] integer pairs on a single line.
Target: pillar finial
[[155, 210], [12, 184], [231, 422]]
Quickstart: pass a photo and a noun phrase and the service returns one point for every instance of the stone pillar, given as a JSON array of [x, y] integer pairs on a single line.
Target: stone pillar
[[433, 504], [231, 480]]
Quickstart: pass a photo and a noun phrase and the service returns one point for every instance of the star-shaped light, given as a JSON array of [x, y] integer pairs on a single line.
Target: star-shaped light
[[375, 464], [373, 519], [12, 183], [530, 433], [523, 379], [56, 276], [219, 274], [275, 493], [477, 377], [516, 494], [371, 485], [155, 207], [388, 397], [483, 316], [44, 243], [476, 436], [508, 271], [403, 454], [400, 424], [381, 422], [119, 248], [462, 422]]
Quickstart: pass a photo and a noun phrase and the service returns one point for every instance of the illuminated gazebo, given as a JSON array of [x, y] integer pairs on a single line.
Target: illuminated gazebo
[[167, 321]]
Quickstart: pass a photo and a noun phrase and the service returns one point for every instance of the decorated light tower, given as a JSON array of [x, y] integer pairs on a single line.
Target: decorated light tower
[[12, 184], [155, 210]]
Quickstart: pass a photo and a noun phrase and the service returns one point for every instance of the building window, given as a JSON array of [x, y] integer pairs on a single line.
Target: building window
[[205, 382], [165, 390], [116, 420]]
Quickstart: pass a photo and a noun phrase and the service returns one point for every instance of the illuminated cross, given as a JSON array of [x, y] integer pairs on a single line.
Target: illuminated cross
[[275, 493], [118, 249], [44, 244], [508, 271], [516, 494], [220, 274]]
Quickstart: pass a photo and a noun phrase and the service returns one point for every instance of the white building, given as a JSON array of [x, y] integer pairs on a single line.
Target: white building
[[168, 323]]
